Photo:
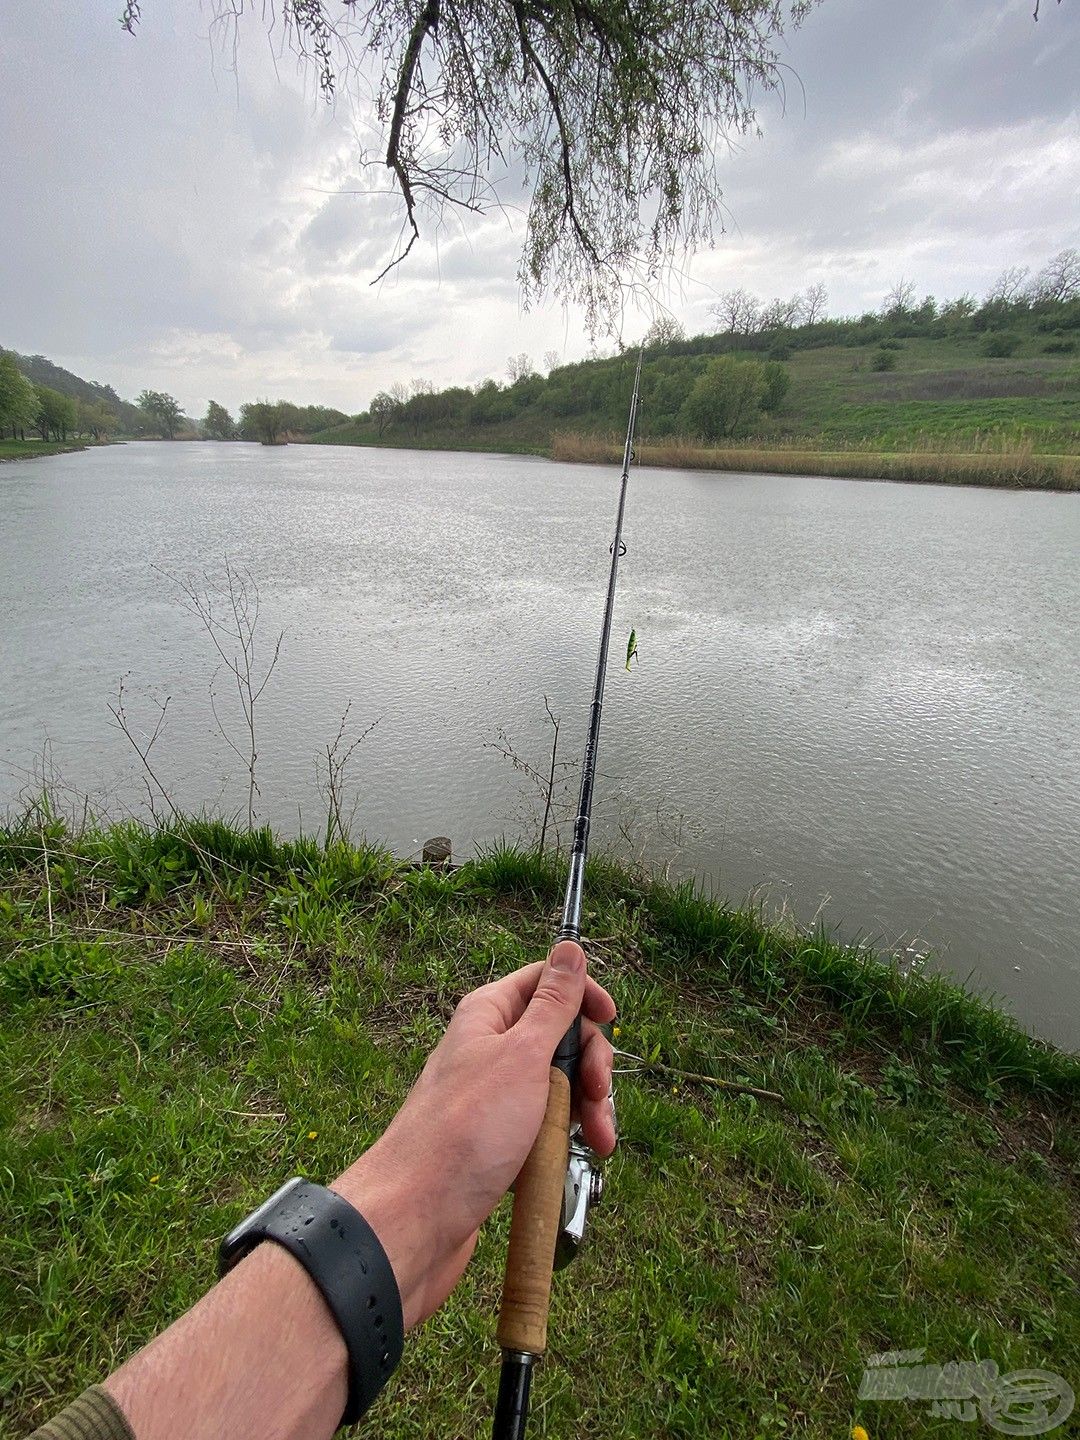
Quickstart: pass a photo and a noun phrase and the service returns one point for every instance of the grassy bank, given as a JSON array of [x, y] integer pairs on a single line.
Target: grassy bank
[[901, 390], [189, 1015], [1016, 469], [28, 449]]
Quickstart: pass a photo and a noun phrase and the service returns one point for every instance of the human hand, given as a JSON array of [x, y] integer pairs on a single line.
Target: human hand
[[457, 1144]]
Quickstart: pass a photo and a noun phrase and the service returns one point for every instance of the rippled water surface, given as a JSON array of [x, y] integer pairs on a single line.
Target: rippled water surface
[[862, 697]]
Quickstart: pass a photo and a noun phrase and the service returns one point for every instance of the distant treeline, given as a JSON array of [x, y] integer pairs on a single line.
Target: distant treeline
[[43, 399], [719, 385], [269, 421], [41, 410], [713, 386]]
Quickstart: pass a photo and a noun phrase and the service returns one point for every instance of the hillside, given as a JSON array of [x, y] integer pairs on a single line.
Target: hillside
[[42, 371], [897, 384], [190, 1014]]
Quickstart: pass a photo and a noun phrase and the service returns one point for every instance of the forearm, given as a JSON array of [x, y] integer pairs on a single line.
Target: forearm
[[259, 1355]]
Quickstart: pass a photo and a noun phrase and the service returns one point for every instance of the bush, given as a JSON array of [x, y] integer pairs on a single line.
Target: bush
[[779, 351], [1059, 347], [884, 360], [777, 383], [726, 399], [892, 344], [1001, 344]]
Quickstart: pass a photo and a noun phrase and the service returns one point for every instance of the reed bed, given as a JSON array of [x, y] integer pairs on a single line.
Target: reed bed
[[1019, 469]]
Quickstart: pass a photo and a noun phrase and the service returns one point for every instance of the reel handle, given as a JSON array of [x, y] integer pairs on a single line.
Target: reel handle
[[534, 1228]]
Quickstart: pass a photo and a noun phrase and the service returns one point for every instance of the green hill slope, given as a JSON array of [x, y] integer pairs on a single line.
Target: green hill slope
[[43, 372], [995, 379]]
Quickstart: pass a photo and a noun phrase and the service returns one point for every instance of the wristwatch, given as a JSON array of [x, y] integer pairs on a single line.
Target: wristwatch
[[343, 1256]]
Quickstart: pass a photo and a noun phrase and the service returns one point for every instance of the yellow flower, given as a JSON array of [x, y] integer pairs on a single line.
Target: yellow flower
[[858, 1433], [674, 1089], [154, 1179], [617, 1031], [313, 1134]]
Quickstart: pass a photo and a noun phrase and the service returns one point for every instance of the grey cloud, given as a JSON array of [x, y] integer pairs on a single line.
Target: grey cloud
[[169, 222]]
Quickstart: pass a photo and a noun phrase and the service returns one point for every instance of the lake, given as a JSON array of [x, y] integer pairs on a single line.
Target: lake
[[854, 699]]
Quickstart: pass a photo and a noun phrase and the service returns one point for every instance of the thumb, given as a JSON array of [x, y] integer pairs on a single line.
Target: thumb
[[557, 998]]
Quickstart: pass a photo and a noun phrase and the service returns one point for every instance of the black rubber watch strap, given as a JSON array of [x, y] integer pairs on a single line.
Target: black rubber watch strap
[[343, 1256]]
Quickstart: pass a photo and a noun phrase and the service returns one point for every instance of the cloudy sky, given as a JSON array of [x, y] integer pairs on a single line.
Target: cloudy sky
[[168, 220]]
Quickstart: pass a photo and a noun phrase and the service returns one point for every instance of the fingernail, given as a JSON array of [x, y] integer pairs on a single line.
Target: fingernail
[[567, 957]]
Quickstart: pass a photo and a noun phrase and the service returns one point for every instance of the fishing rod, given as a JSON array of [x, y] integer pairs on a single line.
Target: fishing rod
[[560, 1179]]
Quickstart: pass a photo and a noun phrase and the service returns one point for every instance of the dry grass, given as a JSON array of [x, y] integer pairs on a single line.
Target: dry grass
[[1019, 468]]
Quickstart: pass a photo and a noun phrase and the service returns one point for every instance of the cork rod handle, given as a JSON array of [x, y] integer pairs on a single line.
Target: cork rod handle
[[534, 1227]]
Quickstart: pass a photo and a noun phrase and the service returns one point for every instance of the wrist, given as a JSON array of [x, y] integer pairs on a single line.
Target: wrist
[[387, 1196]]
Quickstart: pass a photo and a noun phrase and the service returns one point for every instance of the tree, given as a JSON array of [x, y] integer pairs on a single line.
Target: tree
[[955, 313], [1009, 286], [725, 399], [815, 302], [664, 330], [777, 382], [1058, 280], [18, 398], [898, 300], [737, 312], [552, 360], [217, 423], [780, 314], [261, 420], [519, 367], [56, 413], [616, 111], [162, 411], [94, 420], [382, 410]]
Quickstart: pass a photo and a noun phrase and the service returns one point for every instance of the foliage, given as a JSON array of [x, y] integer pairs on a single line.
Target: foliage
[[883, 360], [271, 421], [728, 396], [1000, 344], [41, 371], [162, 411], [262, 421], [217, 423], [777, 384], [56, 414], [18, 399], [96, 420], [665, 330], [615, 112]]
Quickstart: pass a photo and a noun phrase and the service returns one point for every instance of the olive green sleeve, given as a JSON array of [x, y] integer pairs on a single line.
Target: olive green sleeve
[[93, 1416]]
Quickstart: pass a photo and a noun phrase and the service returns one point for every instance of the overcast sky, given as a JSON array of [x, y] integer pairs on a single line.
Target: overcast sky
[[166, 222]]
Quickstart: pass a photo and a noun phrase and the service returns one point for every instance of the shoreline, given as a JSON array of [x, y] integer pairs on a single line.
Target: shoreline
[[41, 449], [1012, 470], [1001, 470]]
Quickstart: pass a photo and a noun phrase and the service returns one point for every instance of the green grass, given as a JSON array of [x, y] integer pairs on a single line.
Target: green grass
[[27, 449], [943, 394], [180, 1008]]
